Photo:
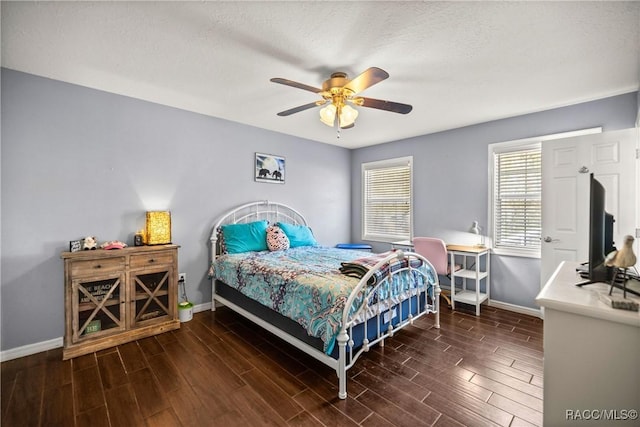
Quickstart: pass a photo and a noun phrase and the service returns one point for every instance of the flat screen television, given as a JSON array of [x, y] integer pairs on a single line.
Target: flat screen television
[[600, 237]]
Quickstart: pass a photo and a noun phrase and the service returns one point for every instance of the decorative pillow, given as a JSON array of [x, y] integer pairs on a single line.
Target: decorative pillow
[[276, 239], [299, 235], [251, 236]]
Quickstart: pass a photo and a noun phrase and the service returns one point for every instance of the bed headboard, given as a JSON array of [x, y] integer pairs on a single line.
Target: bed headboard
[[255, 211]]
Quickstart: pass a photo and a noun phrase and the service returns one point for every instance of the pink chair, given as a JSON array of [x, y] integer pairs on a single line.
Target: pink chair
[[435, 251]]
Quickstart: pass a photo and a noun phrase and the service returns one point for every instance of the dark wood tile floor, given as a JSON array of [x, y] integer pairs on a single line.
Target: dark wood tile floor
[[220, 370]]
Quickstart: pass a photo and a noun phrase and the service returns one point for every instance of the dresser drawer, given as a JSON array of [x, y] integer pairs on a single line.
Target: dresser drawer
[[151, 259], [97, 266]]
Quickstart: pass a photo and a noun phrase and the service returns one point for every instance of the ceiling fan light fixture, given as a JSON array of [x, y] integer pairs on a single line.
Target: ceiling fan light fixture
[[348, 116], [339, 90], [328, 115]]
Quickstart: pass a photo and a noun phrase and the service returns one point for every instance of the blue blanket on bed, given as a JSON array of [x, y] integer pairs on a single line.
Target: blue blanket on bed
[[304, 284]]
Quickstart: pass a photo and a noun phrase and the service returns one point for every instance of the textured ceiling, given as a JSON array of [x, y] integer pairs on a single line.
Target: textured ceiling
[[457, 63]]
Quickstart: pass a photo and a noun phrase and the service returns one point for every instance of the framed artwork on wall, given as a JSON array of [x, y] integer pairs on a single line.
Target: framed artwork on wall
[[269, 168]]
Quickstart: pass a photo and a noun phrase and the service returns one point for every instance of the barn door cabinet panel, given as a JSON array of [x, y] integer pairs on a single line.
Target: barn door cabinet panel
[[116, 296]]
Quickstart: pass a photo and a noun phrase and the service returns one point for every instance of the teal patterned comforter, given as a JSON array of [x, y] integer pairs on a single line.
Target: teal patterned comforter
[[303, 284]]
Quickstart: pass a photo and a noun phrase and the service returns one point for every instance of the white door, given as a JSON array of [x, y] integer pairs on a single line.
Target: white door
[[566, 166]]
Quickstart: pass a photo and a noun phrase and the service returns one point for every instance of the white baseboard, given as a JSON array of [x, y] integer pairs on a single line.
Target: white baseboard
[[516, 308], [202, 307], [29, 349]]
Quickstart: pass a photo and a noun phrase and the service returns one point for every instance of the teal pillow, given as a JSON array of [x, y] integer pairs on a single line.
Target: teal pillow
[[251, 236], [299, 235]]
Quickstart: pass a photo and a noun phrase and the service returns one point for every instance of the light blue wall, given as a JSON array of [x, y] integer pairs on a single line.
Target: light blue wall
[[78, 162], [450, 176]]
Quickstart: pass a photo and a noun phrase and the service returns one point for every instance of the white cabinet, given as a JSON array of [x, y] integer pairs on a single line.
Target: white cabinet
[[591, 354], [470, 284]]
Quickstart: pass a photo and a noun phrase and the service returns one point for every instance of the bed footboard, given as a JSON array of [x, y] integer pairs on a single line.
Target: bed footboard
[[396, 299]]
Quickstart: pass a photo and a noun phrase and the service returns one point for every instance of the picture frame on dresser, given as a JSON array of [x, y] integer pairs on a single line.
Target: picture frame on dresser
[[269, 168], [75, 245]]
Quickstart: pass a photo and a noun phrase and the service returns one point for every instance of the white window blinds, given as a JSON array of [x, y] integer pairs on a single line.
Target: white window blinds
[[387, 210], [517, 199]]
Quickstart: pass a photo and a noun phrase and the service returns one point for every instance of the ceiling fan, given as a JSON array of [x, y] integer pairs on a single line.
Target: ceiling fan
[[338, 92]]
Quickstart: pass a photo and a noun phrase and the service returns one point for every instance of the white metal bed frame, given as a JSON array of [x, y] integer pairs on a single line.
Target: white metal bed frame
[[274, 212]]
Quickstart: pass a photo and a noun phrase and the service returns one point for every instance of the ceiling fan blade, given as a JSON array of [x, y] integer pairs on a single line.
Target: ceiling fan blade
[[301, 108], [367, 79], [380, 104], [296, 84]]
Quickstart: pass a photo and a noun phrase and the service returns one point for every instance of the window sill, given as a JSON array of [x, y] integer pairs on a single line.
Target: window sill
[[516, 253], [377, 239]]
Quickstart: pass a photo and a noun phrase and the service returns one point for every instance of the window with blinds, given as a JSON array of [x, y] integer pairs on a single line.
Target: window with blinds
[[387, 208], [517, 200]]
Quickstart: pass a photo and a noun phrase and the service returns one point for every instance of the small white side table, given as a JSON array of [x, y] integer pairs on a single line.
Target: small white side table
[[470, 273]]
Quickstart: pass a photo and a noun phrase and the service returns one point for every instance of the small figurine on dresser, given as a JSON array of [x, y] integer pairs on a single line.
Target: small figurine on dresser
[[113, 244], [89, 243], [622, 259]]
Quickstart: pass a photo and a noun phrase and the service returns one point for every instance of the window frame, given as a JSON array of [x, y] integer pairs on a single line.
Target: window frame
[[382, 164], [511, 146], [494, 150]]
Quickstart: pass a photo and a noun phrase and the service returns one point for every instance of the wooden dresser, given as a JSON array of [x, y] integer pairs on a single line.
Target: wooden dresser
[[116, 296]]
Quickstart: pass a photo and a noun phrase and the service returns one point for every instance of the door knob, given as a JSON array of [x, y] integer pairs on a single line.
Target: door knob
[[549, 239]]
